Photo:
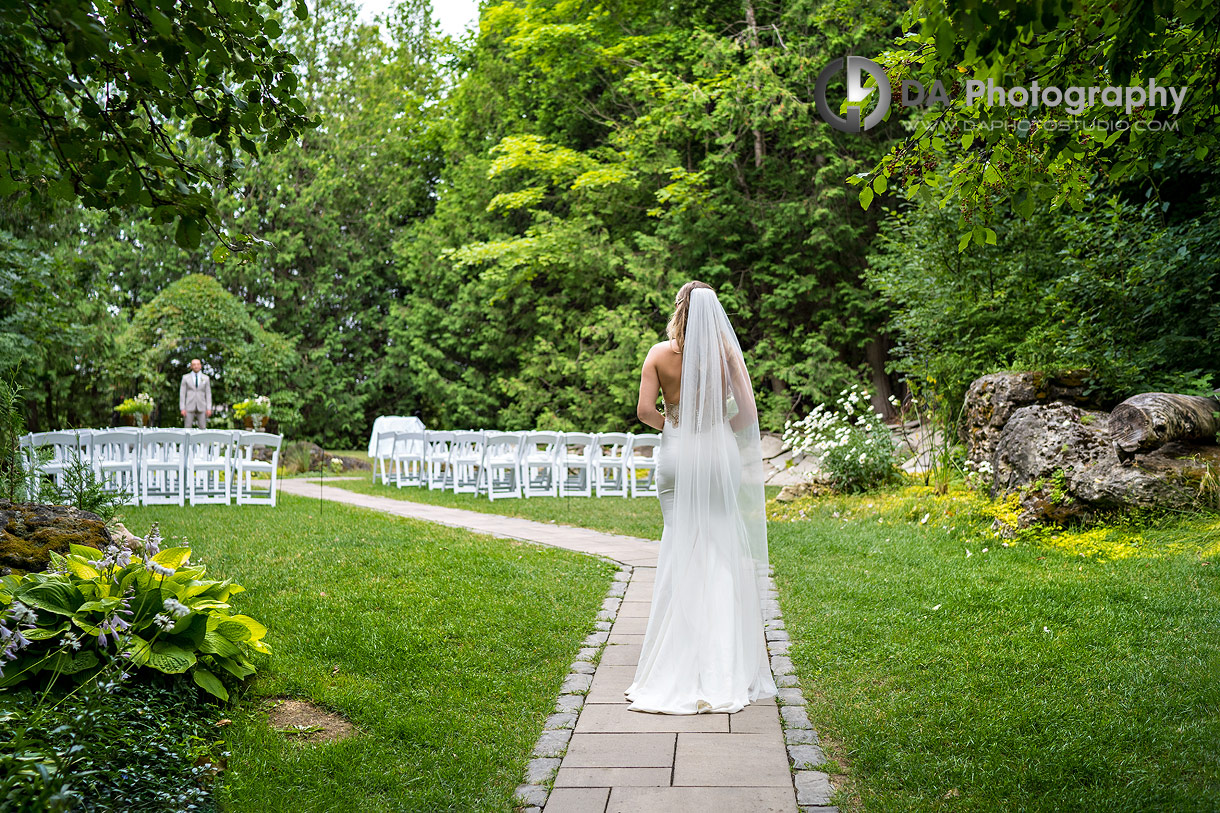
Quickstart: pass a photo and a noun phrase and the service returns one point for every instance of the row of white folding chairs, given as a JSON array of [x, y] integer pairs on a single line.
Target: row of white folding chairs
[[161, 466], [521, 464]]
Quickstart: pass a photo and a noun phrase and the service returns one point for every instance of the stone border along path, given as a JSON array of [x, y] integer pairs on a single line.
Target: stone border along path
[[599, 757]]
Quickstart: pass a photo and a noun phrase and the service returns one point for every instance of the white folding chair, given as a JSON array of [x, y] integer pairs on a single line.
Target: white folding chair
[[576, 465], [29, 463], [539, 464], [162, 467], [209, 466], [116, 461], [384, 456], [438, 472], [466, 457], [409, 458], [247, 466], [642, 457], [610, 464], [501, 470], [64, 450]]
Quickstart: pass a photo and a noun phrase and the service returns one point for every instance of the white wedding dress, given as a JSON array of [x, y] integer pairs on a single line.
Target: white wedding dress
[[704, 648]]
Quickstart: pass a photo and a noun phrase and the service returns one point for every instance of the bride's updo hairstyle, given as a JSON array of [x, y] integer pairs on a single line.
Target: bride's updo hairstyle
[[677, 323]]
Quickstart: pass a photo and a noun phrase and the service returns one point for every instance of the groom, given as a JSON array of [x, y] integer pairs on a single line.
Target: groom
[[195, 396]]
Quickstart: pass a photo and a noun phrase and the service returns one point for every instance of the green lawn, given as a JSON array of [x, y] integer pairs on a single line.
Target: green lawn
[[638, 516], [633, 516], [1037, 677], [444, 648]]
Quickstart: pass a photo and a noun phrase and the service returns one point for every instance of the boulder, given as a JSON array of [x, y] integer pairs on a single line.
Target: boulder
[[1059, 458], [992, 400], [29, 532]]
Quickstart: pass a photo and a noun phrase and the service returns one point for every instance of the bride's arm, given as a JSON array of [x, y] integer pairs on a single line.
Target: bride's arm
[[650, 388]]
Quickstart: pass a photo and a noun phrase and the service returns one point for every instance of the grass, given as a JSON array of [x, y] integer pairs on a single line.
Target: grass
[[639, 516], [632, 516], [445, 649], [1071, 670]]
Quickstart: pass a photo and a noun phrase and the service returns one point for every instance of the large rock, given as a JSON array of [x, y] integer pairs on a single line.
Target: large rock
[[993, 399], [1060, 459], [29, 532]]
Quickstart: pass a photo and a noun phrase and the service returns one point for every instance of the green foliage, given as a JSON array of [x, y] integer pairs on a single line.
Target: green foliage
[[853, 445], [56, 334], [79, 486], [632, 151], [1114, 290], [15, 484], [108, 746], [153, 609], [101, 98], [196, 318], [981, 155]]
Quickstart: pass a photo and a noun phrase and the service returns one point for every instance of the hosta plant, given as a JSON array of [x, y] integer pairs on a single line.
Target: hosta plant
[[148, 606]]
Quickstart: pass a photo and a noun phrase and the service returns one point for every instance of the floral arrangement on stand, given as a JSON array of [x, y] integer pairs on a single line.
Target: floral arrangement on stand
[[852, 441], [257, 409], [139, 408]]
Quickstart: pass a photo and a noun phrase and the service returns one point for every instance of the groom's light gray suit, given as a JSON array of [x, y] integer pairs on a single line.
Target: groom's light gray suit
[[195, 396]]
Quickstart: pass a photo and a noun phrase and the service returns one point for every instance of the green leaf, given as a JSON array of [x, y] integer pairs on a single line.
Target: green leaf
[[53, 596], [209, 683], [235, 666], [234, 631], [216, 644], [88, 553], [166, 657], [990, 236], [81, 570], [866, 197], [301, 10], [66, 664], [173, 557], [41, 634], [879, 184]]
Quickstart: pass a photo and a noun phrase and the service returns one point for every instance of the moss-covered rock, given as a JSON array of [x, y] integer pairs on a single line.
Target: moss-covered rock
[[29, 532]]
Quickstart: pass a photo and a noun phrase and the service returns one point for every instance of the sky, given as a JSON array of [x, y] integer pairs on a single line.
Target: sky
[[453, 15]]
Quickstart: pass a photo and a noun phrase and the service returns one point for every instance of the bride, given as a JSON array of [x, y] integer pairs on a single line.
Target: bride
[[704, 649]]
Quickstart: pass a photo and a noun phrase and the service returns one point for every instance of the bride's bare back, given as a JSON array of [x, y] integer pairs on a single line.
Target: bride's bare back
[[662, 373]]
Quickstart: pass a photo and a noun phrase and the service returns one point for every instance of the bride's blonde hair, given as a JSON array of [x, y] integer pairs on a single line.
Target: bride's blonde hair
[[676, 329]]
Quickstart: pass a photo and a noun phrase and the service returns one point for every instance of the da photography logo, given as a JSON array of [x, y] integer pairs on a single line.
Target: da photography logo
[[1075, 100], [856, 67]]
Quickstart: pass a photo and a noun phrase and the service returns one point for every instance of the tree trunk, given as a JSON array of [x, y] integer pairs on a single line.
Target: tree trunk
[[1149, 420]]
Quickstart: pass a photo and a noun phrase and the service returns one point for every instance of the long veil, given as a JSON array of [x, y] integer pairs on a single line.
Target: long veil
[[718, 497], [704, 649]]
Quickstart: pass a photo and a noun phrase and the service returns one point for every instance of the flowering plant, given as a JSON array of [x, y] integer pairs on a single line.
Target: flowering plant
[[258, 405], [147, 606], [142, 404], [853, 443]]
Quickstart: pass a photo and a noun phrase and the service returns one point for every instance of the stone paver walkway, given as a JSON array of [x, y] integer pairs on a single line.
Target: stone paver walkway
[[607, 759]]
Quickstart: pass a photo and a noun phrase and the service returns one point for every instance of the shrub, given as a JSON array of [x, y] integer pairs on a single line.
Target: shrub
[[853, 443], [148, 606]]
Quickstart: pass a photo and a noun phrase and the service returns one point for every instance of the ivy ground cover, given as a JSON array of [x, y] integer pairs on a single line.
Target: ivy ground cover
[[444, 649], [954, 670]]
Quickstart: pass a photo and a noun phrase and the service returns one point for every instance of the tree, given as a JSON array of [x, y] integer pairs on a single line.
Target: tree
[[196, 318], [1050, 153], [101, 98]]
